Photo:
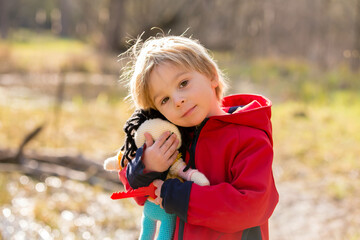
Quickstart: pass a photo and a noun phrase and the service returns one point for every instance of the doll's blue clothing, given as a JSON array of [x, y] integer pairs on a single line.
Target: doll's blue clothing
[[151, 214]]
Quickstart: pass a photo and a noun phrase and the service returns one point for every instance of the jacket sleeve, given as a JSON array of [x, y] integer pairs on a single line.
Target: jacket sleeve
[[176, 197], [247, 199], [133, 176], [136, 175]]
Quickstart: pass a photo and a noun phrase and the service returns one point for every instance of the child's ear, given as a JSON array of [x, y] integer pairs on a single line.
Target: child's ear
[[214, 83], [215, 79]]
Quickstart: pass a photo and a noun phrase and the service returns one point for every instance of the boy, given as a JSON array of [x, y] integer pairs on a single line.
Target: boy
[[231, 143]]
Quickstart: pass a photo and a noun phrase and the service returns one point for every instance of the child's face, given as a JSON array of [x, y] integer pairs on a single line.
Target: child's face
[[185, 97]]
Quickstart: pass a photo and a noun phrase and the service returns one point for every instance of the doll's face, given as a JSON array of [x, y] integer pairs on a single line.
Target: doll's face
[[155, 127]]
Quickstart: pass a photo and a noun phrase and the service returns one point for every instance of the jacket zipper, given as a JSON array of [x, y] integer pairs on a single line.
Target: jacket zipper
[[192, 165], [193, 145]]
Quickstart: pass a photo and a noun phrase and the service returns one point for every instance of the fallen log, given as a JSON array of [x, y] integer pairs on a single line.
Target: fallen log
[[40, 166], [72, 167]]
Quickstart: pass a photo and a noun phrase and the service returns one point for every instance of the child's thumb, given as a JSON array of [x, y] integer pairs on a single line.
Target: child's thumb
[[148, 139]]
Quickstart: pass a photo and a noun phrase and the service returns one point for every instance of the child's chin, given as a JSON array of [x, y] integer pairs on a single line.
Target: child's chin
[[192, 123]]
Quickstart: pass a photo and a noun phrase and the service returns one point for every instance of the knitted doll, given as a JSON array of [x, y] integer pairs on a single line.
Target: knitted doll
[[153, 122]]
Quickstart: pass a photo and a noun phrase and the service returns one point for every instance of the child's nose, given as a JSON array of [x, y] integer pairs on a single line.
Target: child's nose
[[179, 101]]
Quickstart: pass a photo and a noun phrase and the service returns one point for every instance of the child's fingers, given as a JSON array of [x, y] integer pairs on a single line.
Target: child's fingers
[[158, 184], [169, 143], [172, 152], [161, 140], [172, 158], [148, 139], [158, 201]]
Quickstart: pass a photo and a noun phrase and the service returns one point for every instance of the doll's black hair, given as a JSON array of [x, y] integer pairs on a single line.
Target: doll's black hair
[[131, 126]]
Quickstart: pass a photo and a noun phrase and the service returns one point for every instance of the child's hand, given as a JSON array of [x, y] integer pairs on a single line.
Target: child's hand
[[158, 184], [159, 155]]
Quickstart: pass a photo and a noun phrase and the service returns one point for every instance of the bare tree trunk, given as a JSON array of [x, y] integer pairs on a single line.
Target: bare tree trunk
[[355, 59], [3, 18], [115, 32], [269, 17], [65, 18]]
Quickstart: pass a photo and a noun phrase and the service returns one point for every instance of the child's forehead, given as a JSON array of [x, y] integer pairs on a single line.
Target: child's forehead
[[168, 71], [171, 67]]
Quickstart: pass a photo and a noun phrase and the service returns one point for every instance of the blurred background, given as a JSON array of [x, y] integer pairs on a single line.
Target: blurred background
[[62, 107]]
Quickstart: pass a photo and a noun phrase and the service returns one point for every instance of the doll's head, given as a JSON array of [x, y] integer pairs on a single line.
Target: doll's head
[[141, 121], [178, 50]]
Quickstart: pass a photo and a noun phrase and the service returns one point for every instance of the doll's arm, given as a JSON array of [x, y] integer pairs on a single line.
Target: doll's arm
[[113, 163], [190, 175]]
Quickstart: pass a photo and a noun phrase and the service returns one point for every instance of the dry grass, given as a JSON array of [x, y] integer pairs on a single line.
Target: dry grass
[[319, 143], [28, 52], [93, 127]]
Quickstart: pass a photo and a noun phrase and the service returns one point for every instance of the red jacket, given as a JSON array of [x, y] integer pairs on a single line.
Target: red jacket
[[235, 152]]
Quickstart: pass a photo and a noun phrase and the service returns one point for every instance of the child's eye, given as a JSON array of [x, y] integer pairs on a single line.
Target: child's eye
[[184, 83], [164, 100]]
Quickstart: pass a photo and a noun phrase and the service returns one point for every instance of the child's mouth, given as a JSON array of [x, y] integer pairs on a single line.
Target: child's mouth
[[188, 112]]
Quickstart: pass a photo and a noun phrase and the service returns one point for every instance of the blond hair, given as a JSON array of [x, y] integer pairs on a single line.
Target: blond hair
[[178, 50]]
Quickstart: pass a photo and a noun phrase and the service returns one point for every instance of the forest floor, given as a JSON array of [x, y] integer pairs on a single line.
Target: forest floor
[[59, 208]]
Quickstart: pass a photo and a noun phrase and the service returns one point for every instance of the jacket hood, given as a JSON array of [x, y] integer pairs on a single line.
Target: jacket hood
[[248, 110]]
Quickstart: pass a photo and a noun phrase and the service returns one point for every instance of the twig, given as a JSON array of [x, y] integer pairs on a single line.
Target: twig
[[27, 139]]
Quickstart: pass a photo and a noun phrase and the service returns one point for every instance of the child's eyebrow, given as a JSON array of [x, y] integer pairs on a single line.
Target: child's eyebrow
[[177, 76], [156, 96], [180, 74]]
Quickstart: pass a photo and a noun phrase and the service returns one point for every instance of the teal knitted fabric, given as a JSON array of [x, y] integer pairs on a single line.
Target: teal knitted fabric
[[151, 214]]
